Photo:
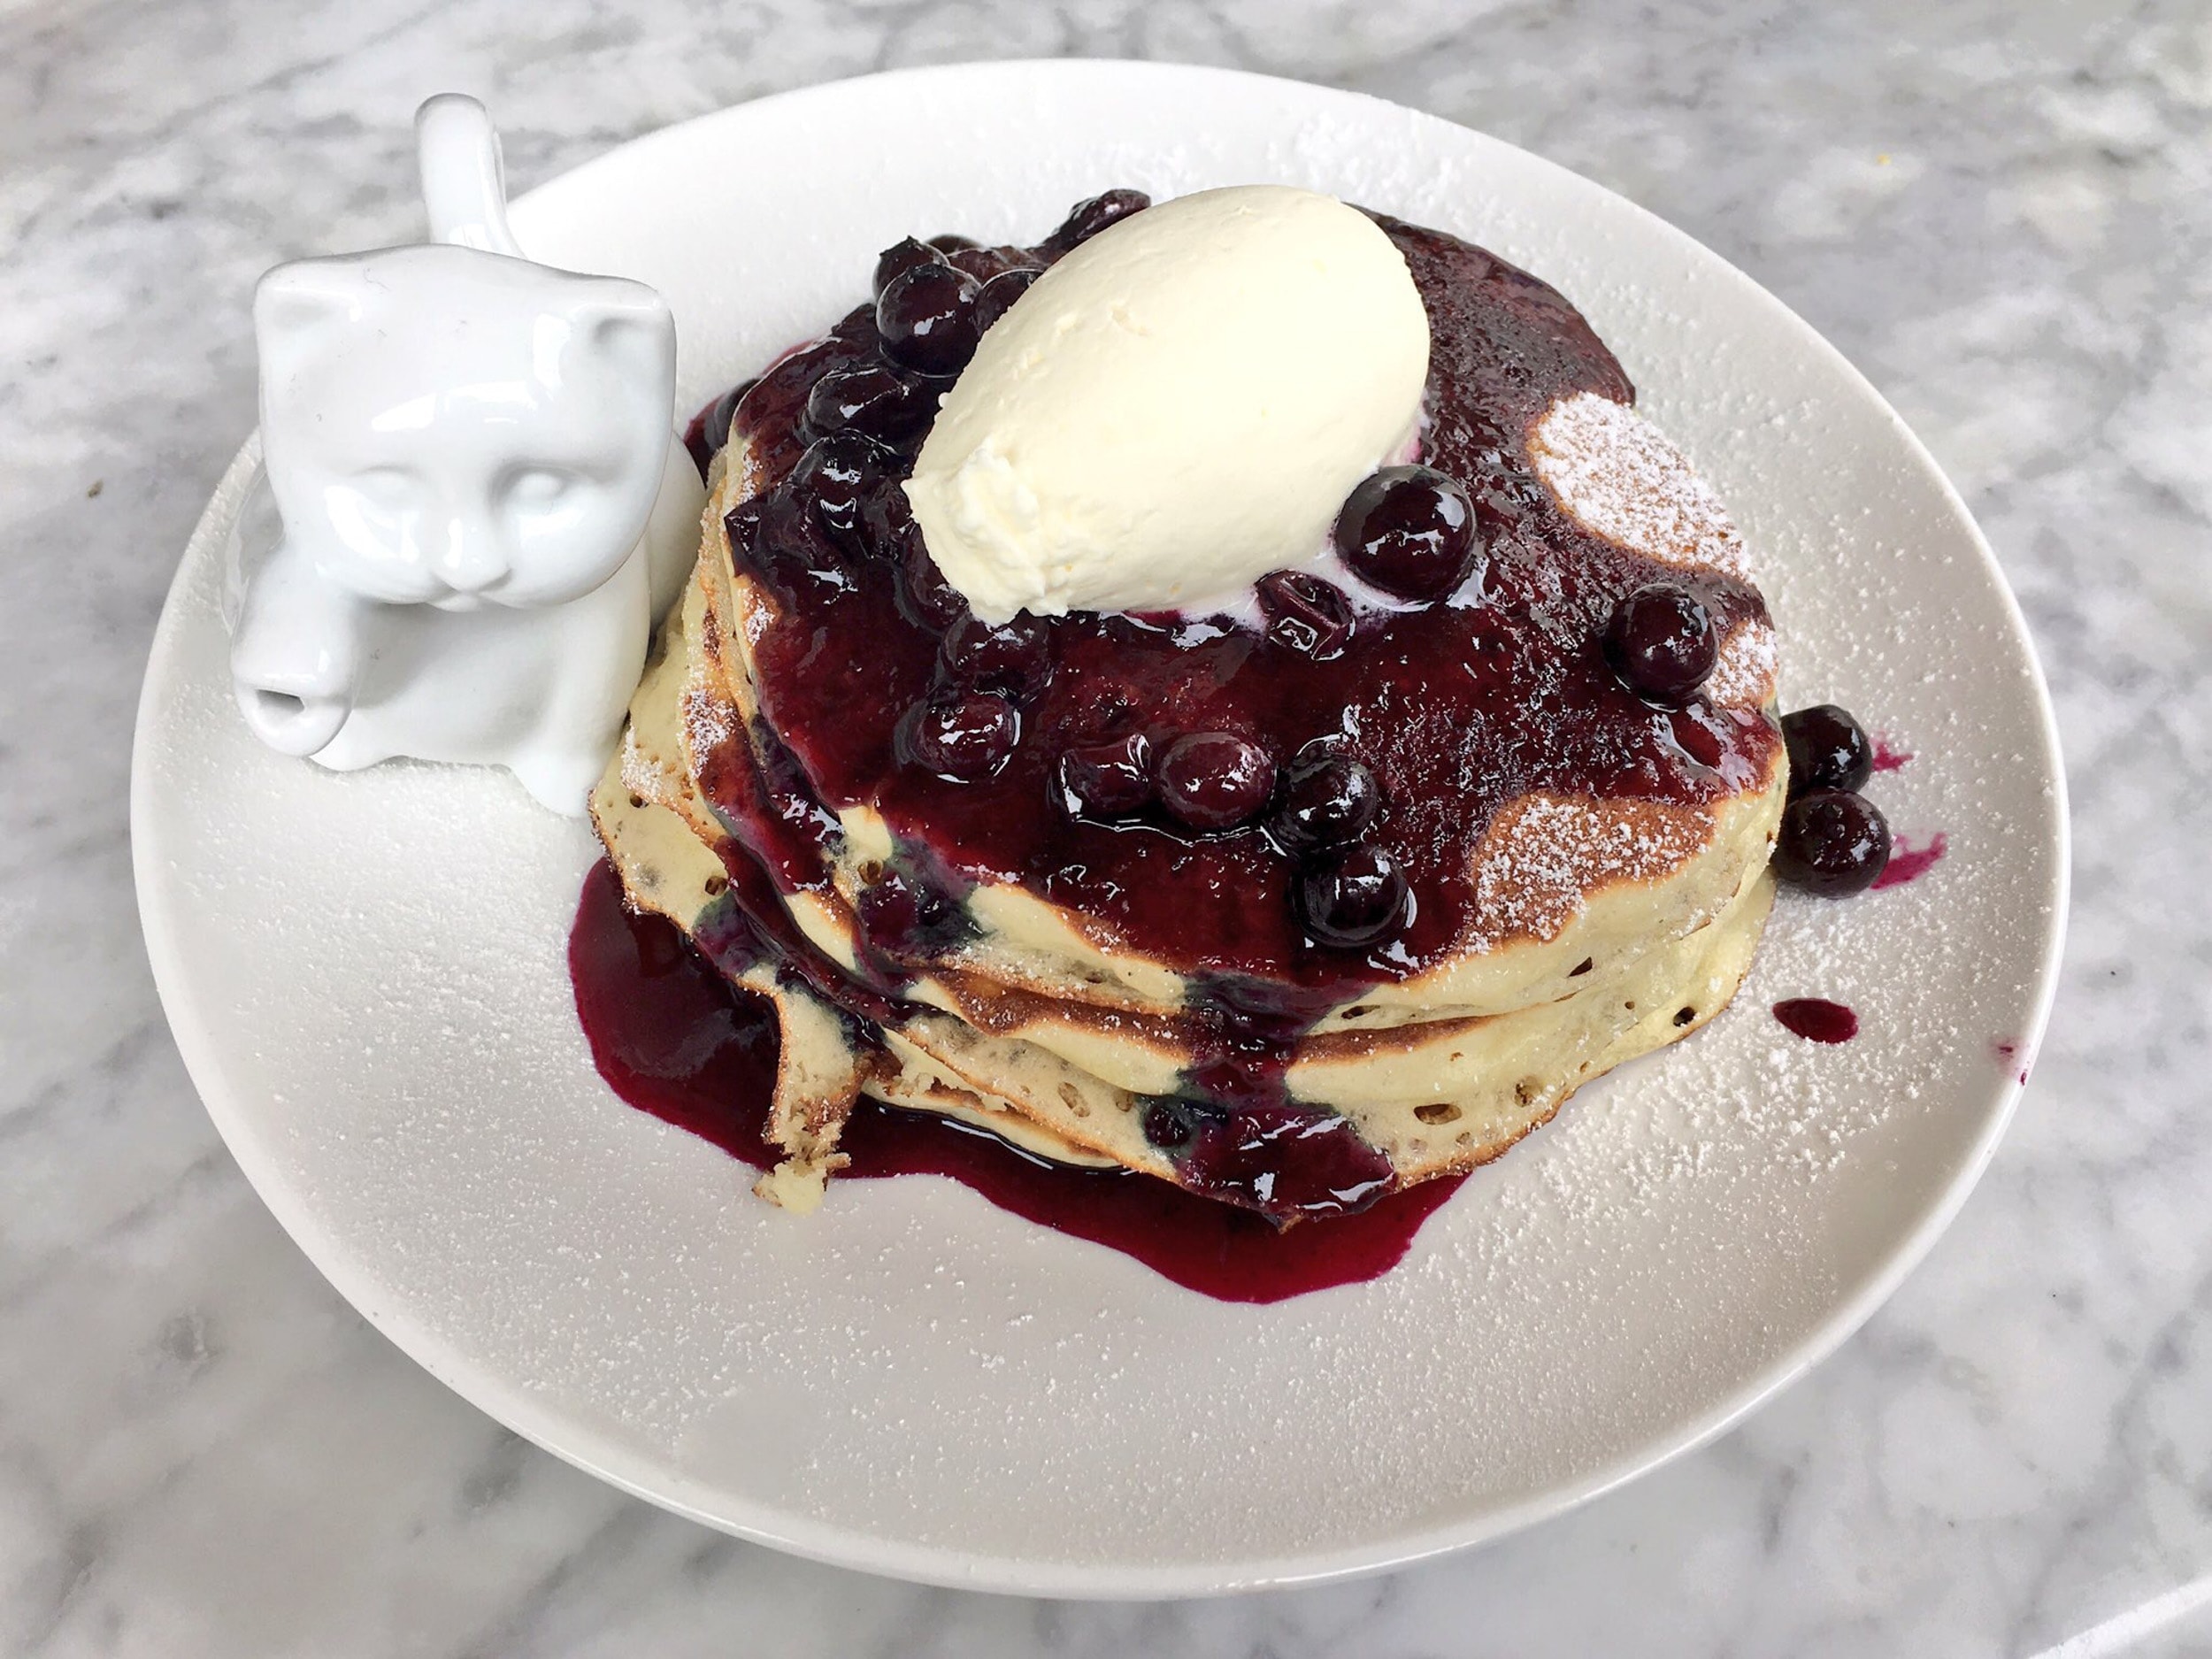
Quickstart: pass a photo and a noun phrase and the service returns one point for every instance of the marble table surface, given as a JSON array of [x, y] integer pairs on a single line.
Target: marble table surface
[[2002, 210]]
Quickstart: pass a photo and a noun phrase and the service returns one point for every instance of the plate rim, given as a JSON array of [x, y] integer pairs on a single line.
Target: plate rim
[[512, 1404]]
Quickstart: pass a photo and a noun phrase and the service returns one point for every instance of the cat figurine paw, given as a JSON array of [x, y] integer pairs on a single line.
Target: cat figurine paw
[[483, 506]]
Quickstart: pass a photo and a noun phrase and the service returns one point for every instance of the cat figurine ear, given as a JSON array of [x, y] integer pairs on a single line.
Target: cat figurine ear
[[302, 299], [483, 505]]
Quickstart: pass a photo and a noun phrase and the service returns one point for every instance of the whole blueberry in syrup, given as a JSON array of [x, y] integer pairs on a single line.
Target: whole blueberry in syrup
[[886, 518], [1660, 643], [781, 529], [1106, 779], [901, 256], [900, 913], [961, 735], [1828, 749], [835, 477], [1409, 530], [1215, 780], [1355, 900], [924, 595], [926, 317], [873, 400], [1833, 843], [742, 525], [1167, 1123], [1088, 218], [997, 296], [1013, 658], [1310, 616], [1325, 800], [982, 264], [710, 429]]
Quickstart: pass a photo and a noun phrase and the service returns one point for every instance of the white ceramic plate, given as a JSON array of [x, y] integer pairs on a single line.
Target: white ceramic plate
[[365, 975]]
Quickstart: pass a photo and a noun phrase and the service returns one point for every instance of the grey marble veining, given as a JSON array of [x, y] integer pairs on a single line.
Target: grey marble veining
[[2001, 211]]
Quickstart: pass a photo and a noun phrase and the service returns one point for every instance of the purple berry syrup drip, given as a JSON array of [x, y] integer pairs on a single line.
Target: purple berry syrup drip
[[672, 1038]]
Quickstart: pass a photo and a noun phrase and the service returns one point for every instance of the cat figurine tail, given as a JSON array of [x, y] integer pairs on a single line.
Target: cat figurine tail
[[482, 505]]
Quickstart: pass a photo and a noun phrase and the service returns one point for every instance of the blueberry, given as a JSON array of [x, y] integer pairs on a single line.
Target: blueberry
[[909, 918], [1013, 658], [1213, 781], [927, 319], [1828, 749], [1409, 530], [780, 530], [1310, 616], [873, 400], [896, 260], [1109, 779], [886, 518], [1660, 643], [997, 296], [952, 243], [1833, 843], [724, 411], [741, 524], [982, 264], [835, 477], [710, 429], [927, 598], [961, 735], [1088, 218], [1325, 800], [1167, 1125], [1356, 899]]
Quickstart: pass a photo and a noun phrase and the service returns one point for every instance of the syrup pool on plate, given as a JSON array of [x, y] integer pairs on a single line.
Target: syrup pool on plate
[[672, 1038]]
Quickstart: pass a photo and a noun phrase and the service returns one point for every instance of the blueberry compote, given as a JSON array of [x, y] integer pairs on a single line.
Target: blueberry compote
[[1816, 1019], [673, 1039], [1492, 683]]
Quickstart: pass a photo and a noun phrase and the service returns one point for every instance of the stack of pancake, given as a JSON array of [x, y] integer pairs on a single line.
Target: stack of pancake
[[1592, 872]]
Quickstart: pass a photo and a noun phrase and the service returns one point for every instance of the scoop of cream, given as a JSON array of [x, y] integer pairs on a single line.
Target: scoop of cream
[[1176, 408]]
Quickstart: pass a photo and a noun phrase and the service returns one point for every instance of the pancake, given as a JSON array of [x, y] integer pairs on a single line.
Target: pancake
[[1436, 1096], [1588, 872]]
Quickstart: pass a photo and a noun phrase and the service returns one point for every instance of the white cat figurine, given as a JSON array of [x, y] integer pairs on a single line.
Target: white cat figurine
[[484, 507]]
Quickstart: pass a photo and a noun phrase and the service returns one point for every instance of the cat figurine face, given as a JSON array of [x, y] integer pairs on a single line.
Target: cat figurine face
[[457, 428], [480, 505]]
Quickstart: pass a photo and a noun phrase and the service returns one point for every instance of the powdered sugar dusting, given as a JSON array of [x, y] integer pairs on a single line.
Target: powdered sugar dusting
[[707, 722], [1619, 477], [1542, 853], [1743, 678], [1745, 1120], [644, 776]]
